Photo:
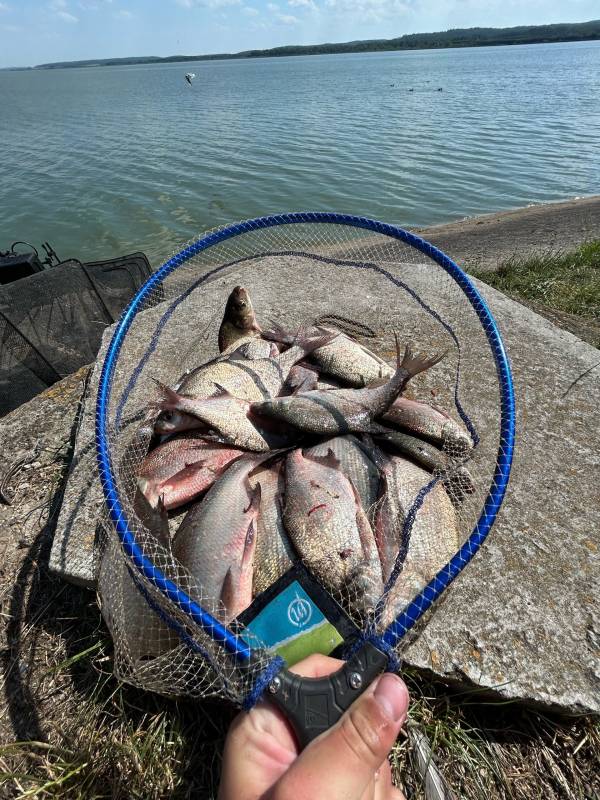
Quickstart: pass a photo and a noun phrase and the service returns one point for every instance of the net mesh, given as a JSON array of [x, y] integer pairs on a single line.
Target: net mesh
[[373, 286]]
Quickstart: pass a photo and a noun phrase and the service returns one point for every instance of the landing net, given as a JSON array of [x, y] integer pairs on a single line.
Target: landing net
[[371, 280]]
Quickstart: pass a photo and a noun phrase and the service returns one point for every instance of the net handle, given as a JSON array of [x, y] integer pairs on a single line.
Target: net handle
[[232, 643]]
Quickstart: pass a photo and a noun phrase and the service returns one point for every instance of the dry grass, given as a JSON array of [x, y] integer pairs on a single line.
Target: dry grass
[[97, 738]]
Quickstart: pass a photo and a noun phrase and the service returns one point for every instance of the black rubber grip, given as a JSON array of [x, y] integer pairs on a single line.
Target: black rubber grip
[[312, 705]]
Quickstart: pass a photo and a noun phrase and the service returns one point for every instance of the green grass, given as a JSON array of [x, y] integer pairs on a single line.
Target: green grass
[[568, 283]]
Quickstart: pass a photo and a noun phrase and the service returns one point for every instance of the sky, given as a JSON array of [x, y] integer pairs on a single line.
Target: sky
[[39, 31]]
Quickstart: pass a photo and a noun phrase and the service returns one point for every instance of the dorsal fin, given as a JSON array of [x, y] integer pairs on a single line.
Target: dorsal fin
[[329, 460]]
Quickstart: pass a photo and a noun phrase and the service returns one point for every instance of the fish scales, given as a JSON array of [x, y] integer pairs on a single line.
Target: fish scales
[[455, 477], [328, 528], [343, 357], [247, 379], [429, 422], [231, 418], [356, 466], [274, 554], [434, 537], [216, 540], [338, 411], [351, 362], [181, 468]]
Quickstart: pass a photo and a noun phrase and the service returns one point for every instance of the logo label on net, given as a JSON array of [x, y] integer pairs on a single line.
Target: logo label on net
[[299, 612]]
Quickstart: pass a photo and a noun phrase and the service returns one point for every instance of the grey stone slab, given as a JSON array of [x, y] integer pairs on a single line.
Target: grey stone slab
[[523, 619], [73, 555]]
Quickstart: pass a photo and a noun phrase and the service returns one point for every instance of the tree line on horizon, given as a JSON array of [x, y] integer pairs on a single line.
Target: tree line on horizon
[[456, 37]]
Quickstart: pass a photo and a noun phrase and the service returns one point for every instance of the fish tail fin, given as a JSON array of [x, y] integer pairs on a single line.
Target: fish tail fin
[[152, 514], [413, 363], [170, 400], [277, 333]]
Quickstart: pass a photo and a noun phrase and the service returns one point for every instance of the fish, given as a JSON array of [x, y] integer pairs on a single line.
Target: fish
[[216, 540], [429, 422], [299, 379], [251, 349], [142, 633], [329, 528], [248, 379], [274, 554], [356, 466], [456, 478], [230, 420], [182, 468], [343, 357], [338, 411], [171, 421], [239, 320], [434, 537]]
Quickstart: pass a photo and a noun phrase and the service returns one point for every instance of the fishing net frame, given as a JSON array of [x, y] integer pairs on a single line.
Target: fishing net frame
[[197, 626]]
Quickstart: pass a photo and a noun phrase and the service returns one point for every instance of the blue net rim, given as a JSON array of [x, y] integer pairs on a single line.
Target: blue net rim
[[232, 643]]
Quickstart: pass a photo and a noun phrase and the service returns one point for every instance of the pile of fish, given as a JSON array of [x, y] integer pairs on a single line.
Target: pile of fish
[[300, 446]]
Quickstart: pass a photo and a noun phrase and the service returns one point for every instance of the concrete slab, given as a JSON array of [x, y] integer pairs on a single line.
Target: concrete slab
[[523, 620]]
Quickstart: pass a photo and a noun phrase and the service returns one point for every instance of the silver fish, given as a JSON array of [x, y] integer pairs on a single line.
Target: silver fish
[[345, 410], [217, 538], [274, 553], [456, 478], [329, 528], [239, 320], [342, 357], [299, 379], [233, 420], [430, 422], [434, 537], [248, 379], [356, 466]]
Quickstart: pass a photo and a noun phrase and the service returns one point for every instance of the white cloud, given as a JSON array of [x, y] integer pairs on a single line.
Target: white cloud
[[373, 10], [66, 17], [212, 4], [272, 6], [287, 19], [11, 28], [58, 4], [302, 4], [123, 14], [250, 12], [4, 7]]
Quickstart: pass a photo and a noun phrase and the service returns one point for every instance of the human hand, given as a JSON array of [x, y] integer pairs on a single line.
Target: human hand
[[348, 762]]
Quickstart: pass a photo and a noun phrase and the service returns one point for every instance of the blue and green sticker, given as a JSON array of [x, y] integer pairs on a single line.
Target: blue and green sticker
[[293, 626]]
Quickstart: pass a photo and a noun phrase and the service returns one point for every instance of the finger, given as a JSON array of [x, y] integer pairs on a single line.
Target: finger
[[316, 666], [261, 745], [369, 792], [341, 763]]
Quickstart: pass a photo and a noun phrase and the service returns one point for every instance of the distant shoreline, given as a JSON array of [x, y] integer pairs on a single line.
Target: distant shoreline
[[485, 241], [455, 38]]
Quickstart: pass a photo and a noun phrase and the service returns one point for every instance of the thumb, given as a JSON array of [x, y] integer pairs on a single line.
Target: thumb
[[342, 762]]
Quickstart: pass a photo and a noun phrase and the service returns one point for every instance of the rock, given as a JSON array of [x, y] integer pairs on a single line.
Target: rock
[[523, 619], [39, 432], [73, 554], [488, 240]]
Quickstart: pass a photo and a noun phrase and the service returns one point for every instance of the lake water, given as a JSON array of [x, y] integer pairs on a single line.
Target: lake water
[[103, 161]]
